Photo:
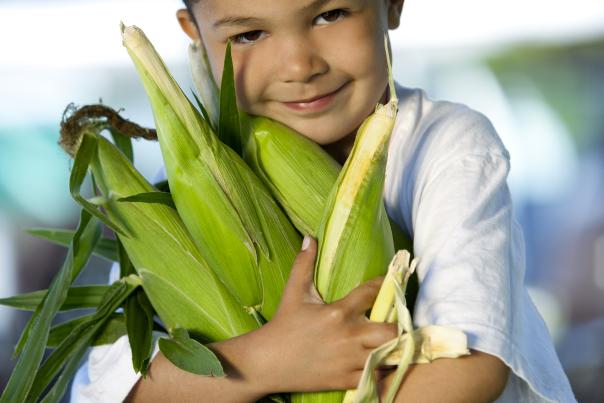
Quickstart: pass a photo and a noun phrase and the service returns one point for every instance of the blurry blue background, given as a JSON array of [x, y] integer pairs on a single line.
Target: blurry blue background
[[535, 68]]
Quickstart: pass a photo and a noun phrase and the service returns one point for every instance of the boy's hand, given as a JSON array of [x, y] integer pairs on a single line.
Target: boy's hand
[[313, 346]]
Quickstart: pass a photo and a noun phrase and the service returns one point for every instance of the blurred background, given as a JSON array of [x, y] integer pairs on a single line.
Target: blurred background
[[535, 68]]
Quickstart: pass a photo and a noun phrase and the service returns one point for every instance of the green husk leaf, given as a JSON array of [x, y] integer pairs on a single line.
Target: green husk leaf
[[190, 355], [109, 333], [150, 197], [203, 110], [34, 337], [204, 82], [124, 143], [81, 162], [139, 324], [162, 186], [58, 389], [105, 248], [79, 339], [139, 319], [126, 267], [229, 131], [81, 297]]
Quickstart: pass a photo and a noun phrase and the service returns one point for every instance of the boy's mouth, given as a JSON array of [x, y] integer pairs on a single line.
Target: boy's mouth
[[314, 104]]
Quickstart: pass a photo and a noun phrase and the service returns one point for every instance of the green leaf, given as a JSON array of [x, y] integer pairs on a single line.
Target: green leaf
[[59, 388], [126, 267], [82, 335], [162, 186], [60, 332], [123, 142], [229, 131], [139, 324], [109, 333], [190, 355], [81, 162], [34, 337], [150, 197], [105, 248], [139, 320], [114, 328], [77, 298], [203, 110]]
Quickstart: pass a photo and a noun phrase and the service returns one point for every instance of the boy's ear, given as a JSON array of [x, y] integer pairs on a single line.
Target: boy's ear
[[395, 8], [187, 24]]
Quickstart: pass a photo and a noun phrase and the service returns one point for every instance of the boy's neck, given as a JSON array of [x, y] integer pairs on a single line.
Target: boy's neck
[[340, 150]]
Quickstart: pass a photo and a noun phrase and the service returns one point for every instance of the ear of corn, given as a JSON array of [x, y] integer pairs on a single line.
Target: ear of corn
[[355, 232], [232, 217], [355, 240], [182, 288], [299, 173], [204, 81]]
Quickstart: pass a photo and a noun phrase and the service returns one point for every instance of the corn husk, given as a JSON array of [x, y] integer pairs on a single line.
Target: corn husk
[[230, 214]]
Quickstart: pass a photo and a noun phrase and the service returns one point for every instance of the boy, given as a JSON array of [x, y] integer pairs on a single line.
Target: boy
[[318, 66]]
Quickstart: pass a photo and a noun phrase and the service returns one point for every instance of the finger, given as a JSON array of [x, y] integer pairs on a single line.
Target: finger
[[375, 334], [361, 298], [300, 284]]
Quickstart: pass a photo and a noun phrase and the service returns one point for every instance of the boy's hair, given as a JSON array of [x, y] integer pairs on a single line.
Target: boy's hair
[[189, 6]]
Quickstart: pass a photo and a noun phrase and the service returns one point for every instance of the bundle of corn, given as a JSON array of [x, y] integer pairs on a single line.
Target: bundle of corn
[[219, 198], [280, 156], [181, 285]]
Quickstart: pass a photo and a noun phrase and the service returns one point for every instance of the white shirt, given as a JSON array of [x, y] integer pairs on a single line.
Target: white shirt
[[446, 185]]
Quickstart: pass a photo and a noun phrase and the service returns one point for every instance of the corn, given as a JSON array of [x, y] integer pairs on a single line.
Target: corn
[[207, 88], [230, 214], [299, 173], [182, 288], [354, 230]]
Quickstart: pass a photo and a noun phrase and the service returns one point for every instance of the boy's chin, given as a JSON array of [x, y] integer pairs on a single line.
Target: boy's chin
[[323, 134], [325, 139]]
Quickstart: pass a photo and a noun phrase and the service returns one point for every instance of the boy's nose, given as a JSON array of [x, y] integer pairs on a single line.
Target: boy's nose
[[300, 61]]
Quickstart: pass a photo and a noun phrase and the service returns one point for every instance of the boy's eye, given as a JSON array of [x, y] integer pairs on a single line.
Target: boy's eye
[[247, 37], [330, 16]]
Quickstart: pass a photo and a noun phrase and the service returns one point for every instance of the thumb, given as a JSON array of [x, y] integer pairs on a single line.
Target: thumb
[[300, 286]]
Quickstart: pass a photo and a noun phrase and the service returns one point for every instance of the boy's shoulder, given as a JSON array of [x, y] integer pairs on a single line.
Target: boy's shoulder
[[442, 127]]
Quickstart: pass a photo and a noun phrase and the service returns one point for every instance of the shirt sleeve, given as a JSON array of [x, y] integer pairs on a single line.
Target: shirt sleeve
[[107, 375], [471, 253]]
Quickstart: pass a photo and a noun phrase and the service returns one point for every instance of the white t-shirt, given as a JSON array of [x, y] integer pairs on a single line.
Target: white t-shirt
[[446, 185]]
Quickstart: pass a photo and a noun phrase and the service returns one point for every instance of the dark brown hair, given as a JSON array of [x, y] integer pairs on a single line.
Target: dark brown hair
[[189, 6]]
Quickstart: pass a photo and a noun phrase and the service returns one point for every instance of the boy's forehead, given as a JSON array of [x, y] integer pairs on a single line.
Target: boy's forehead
[[221, 12]]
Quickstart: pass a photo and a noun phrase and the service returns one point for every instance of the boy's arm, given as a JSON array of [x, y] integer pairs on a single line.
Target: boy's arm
[[307, 346], [479, 377], [165, 382]]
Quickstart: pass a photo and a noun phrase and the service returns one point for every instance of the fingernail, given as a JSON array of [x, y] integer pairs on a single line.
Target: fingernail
[[306, 242]]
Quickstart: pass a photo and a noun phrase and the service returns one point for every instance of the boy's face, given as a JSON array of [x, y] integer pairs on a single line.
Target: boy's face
[[317, 66]]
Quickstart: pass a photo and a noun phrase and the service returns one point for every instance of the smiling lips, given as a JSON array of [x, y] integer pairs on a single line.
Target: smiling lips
[[314, 104]]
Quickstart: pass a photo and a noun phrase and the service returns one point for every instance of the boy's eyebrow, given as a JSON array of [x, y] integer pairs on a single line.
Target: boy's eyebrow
[[237, 20], [315, 4]]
